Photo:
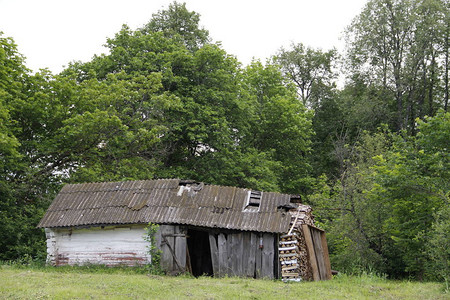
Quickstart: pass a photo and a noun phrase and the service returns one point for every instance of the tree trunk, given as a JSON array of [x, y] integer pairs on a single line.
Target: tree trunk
[[446, 69]]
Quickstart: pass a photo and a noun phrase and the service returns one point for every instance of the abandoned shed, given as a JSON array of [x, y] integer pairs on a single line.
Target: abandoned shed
[[203, 229]]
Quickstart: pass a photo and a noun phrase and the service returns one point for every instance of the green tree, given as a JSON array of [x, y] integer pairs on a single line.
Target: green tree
[[312, 73], [380, 214], [398, 47], [279, 125], [354, 222], [20, 206], [211, 134], [11, 72], [177, 22], [164, 102], [311, 70], [413, 180], [438, 248]]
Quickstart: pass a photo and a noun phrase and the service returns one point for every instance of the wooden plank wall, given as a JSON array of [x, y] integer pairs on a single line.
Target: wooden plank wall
[[246, 254], [317, 249]]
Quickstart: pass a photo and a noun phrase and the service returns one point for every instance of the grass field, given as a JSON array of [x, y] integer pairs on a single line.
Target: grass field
[[66, 283]]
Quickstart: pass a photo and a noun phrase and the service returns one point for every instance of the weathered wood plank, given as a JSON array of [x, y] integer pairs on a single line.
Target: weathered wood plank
[[247, 268], [188, 261], [258, 254], [214, 254], [267, 256], [223, 254], [229, 252], [319, 253], [326, 255], [166, 255], [233, 254], [252, 255], [311, 252], [237, 253], [240, 250], [180, 247], [276, 260]]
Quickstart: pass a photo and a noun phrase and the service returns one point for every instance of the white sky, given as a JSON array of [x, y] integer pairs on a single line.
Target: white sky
[[51, 33]]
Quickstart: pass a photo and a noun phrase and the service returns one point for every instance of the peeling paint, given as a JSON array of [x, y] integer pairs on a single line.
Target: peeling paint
[[111, 246]]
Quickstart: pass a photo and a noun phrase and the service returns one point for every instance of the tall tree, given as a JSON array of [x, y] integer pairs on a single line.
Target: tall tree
[[312, 73], [20, 203], [177, 22], [279, 125], [398, 47], [311, 70], [209, 135]]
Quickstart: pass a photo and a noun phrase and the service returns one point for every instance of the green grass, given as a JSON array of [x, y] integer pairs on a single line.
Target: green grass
[[84, 283]]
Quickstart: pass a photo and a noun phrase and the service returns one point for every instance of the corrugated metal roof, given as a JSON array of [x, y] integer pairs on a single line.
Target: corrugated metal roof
[[165, 201]]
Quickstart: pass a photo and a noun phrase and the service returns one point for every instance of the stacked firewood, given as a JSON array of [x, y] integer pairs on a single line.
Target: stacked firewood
[[292, 247], [305, 266], [289, 257], [304, 213]]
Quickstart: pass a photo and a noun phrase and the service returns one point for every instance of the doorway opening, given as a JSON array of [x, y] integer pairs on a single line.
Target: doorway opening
[[199, 253]]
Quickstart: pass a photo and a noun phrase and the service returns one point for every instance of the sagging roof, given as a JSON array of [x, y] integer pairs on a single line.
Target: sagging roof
[[169, 201]]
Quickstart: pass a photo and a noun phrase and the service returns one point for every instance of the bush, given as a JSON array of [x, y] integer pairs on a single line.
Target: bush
[[438, 247]]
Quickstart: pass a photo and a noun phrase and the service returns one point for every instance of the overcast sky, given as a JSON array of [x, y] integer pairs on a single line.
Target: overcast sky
[[51, 33]]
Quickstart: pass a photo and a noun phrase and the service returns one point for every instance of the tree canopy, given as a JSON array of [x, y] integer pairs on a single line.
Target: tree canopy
[[370, 156]]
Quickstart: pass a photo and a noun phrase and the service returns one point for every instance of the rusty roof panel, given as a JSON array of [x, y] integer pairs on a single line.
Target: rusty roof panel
[[157, 201]]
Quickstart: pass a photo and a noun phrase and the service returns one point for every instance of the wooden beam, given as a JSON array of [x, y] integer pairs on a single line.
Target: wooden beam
[[258, 254], [326, 256], [223, 255], [252, 255], [229, 252], [276, 260], [214, 254], [180, 247], [237, 249], [318, 249], [311, 252]]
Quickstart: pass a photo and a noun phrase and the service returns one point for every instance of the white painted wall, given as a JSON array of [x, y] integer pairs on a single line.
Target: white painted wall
[[111, 245]]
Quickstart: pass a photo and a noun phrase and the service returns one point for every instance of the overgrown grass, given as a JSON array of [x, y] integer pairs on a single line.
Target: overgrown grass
[[94, 282]]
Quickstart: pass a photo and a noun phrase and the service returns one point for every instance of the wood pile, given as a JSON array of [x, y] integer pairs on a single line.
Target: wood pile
[[289, 257], [292, 247]]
